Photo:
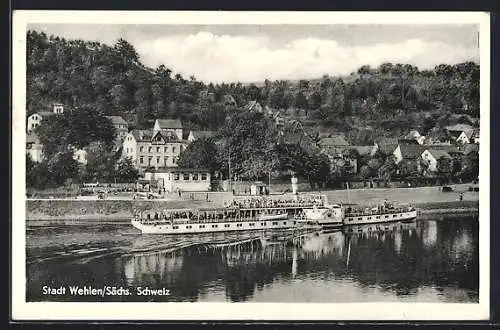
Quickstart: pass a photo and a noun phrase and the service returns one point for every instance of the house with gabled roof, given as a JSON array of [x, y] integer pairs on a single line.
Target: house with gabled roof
[[120, 125], [462, 133], [172, 125], [333, 141], [35, 119], [408, 152], [385, 145], [153, 148], [431, 157]]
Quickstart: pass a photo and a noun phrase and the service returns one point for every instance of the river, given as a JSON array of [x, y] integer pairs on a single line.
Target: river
[[427, 260]]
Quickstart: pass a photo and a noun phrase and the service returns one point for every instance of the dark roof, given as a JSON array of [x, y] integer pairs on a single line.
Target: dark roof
[[142, 134], [45, 113], [117, 120], [459, 127], [411, 151], [169, 123], [176, 169], [333, 141], [438, 153], [449, 148]]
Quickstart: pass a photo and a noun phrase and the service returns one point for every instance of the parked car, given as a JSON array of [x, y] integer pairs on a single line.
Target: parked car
[[446, 189]]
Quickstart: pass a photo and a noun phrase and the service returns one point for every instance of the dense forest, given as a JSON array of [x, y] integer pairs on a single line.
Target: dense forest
[[94, 80], [389, 100]]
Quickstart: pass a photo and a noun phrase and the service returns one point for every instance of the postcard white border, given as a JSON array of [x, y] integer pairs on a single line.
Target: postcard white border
[[21, 310]]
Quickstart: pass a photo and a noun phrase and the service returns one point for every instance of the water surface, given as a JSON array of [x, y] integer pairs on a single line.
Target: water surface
[[421, 261]]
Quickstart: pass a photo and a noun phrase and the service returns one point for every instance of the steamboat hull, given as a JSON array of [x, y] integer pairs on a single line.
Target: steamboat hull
[[379, 218], [211, 227]]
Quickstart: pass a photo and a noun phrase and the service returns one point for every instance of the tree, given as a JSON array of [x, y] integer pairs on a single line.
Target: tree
[[61, 167], [200, 154], [100, 163], [126, 171], [470, 168], [444, 166]]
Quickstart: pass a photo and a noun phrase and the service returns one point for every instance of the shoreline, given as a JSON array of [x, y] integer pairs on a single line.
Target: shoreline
[[38, 219]]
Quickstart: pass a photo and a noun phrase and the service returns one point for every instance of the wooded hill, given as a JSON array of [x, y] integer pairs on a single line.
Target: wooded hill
[[385, 101]]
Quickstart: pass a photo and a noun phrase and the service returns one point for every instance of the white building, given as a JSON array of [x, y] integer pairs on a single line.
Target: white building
[[33, 147], [177, 179], [154, 149], [80, 155], [35, 119], [431, 156]]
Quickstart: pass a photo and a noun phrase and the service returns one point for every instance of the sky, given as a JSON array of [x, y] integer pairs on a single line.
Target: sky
[[252, 53]]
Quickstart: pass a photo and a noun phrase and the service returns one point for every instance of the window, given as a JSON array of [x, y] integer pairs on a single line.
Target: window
[[165, 149], [150, 149], [360, 218], [149, 160], [239, 225], [188, 227], [202, 226], [386, 216], [141, 160], [251, 224], [394, 215], [186, 177], [262, 223], [158, 160], [275, 223], [369, 218], [195, 177], [174, 160], [173, 149], [203, 176], [166, 161], [157, 149], [284, 222], [378, 216], [176, 176], [141, 149], [175, 227], [227, 225], [214, 226]]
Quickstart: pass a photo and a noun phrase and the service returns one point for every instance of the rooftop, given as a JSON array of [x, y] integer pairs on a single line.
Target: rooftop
[[411, 151], [117, 120], [438, 153], [333, 141], [169, 123]]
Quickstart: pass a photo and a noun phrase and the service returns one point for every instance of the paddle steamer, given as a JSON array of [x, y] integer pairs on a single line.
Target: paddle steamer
[[386, 212], [256, 213]]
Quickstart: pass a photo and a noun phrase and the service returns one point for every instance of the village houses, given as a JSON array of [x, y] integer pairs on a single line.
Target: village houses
[[120, 125], [463, 133], [35, 119]]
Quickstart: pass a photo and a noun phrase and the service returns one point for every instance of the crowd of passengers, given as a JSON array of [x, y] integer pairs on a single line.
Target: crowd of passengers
[[385, 207], [187, 215], [256, 202]]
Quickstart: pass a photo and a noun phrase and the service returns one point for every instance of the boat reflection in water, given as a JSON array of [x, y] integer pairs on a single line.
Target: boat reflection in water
[[419, 261], [379, 259]]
